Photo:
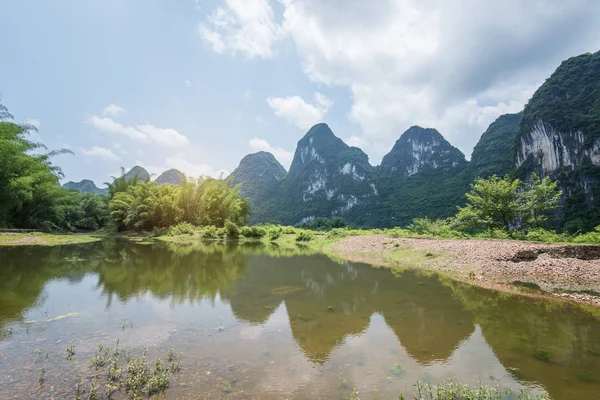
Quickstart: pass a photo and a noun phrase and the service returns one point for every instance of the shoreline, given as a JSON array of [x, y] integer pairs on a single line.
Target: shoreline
[[12, 239], [564, 272], [567, 272]]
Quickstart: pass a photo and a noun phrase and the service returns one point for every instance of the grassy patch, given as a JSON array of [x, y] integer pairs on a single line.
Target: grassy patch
[[43, 239]]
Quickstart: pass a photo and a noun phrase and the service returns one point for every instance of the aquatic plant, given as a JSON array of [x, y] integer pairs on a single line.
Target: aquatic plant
[[70, 351], [454, 391], [397, 369]]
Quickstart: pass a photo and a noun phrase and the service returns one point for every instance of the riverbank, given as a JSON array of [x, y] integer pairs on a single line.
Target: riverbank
[[44, 239], [571, 272]]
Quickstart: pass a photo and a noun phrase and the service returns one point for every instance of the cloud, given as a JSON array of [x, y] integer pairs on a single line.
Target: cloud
[[298, 112], [454, 67], [283, 156], [112, 110], [242, 26], [101, 152], [143, 133]]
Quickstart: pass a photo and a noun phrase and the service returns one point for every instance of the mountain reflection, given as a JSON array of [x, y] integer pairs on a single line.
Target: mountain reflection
[[327, 304]]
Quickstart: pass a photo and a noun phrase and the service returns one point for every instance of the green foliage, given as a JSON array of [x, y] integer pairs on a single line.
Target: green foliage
[[439, 228], [538, 200], [325, 224], [452, 391], [491, 202], [145, 206], [253, 232], [494, 153], [570, 99], [232, 229], [182, 228], [30, 194], [496, 203], [304, 236]]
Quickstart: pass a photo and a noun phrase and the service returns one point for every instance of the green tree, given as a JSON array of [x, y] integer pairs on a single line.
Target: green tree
[[30, 194], [491, 202], [538, 200]]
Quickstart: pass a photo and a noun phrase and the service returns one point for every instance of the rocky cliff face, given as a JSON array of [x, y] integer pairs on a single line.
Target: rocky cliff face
[[85, 186], [172, 176], [419, 149], [560, 137], [327, 177]]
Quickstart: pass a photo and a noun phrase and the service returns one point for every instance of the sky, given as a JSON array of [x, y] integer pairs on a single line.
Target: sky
[[197, 84]]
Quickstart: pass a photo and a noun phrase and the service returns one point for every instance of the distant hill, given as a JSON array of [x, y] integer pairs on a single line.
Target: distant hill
[[172, 176], [85, 186], [138, 171]]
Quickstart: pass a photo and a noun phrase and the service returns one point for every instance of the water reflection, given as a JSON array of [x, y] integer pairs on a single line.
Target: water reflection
[[296, 320]]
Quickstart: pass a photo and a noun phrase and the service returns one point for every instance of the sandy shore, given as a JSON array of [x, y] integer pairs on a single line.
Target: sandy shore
[[563, 270]]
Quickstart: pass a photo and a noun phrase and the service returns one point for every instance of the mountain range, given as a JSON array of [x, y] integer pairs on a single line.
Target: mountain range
[[556, 135], [172, 176]]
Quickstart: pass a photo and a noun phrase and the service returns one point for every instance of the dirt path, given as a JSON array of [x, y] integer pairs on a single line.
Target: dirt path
[[569, 271]]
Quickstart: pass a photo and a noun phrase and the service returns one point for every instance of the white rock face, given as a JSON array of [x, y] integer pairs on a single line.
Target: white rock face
[[552, 149], [309, 153], [421, 154]]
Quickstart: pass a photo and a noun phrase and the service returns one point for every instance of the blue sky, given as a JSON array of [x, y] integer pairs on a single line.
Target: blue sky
[[196, 85]]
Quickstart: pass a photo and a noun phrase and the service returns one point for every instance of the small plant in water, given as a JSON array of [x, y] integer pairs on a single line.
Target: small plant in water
[[453, 391], [227, 387], [342, 380], [126, 324], [70, 351], [543, 355], [354, 395], [396, 369], [42, 377]]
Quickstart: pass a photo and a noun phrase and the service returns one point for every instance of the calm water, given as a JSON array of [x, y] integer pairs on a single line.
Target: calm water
[[262, 323]]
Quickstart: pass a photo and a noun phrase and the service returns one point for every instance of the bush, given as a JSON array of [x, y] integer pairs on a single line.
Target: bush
[[304, 236], [590, 237], [232, 229], [183, 228], [438, 227], [254, 232], [212, 232], [542, 235], [274, 232]]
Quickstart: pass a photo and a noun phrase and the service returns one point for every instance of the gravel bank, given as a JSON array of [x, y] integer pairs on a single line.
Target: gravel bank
[[561, 269]]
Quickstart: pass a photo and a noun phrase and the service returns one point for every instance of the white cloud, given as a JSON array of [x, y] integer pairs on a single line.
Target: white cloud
[[113, 110], [107, 124], [101, 152], [298, 112], [144, 133], [242, 26], [283, 156], [435, 63], [164, 137], [454, 67], [33, 122]]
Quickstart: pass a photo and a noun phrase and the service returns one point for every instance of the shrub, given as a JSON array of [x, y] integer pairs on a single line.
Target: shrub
[[253, 232], [543, 235], [304, 236], [274, 232], [232, 229], [183, 228], [438, 227], [590, 237]]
